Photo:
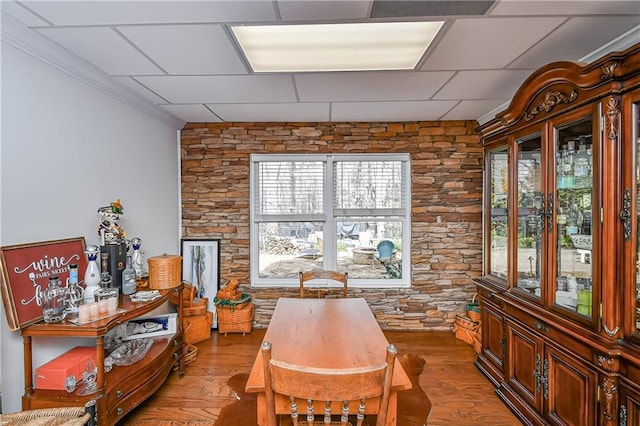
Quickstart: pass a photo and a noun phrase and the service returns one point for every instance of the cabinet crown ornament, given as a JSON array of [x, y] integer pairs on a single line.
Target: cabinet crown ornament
[[551, 99], [608, 69]]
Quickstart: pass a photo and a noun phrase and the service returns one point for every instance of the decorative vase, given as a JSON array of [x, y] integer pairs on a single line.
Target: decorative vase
[[92, 274], [136, 259]]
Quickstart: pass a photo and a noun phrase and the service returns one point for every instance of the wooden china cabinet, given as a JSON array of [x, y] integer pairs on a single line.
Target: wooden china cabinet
[[560, 292]]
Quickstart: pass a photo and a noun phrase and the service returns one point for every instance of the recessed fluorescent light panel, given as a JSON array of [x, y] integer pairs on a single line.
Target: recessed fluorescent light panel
[[336, 47]]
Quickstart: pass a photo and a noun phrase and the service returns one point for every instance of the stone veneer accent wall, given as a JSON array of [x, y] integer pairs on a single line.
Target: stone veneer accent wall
[[446, 241]]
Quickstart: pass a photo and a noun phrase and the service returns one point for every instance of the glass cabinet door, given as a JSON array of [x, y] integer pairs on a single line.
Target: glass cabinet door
[[573, 210], [530, 215], [498, 171]]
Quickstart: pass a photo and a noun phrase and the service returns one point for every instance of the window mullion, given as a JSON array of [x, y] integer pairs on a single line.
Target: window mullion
[[330, 237]]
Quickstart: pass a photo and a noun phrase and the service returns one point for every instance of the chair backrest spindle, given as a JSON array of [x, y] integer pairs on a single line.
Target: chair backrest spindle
[[337, 392]]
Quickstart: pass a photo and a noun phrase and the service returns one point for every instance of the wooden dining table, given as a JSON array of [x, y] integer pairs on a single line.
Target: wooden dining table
[[325, 333]]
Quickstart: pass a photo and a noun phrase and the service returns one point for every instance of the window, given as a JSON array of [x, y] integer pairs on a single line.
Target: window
[[330, 212]]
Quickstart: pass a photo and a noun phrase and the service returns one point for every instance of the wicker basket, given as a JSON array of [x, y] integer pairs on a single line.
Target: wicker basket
[[235, 318], [191, 352], [466, 330], [477, 343], [164, 271], [473, 309], [198, 328], [197, 306], [188, 294], [190, 355], [191, 305]]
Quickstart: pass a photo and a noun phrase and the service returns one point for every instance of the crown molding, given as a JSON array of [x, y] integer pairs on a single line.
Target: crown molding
[[17, 35], [621, 43]]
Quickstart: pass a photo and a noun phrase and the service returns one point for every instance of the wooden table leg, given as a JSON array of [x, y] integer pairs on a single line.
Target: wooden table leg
[[262, 410], [392, 414]]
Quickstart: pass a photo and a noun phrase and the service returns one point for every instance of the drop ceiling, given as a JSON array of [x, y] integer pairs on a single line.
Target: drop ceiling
[[179, 59]]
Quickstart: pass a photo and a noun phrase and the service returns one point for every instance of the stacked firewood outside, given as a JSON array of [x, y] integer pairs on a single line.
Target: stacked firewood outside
[[467, 328], [280, 245], [197, 320]]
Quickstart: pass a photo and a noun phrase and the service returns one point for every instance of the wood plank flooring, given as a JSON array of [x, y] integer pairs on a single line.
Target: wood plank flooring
[[459, 394]]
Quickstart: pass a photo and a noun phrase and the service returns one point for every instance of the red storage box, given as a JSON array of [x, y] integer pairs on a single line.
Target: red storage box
[[52, 374]]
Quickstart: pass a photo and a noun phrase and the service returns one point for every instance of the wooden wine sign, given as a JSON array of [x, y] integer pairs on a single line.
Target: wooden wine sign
[[26, 269]]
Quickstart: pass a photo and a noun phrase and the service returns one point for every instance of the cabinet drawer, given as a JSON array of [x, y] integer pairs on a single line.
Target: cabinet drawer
[[133, 384], [118, 407], [548, 331]]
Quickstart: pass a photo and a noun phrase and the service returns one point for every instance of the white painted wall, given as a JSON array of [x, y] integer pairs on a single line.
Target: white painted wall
[[67, 149]]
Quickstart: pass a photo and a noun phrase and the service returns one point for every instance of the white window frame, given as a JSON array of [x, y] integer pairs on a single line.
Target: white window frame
[[330, 218]]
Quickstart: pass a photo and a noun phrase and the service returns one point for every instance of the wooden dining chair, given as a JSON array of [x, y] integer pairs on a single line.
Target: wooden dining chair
[[328, 392], [326, 275]]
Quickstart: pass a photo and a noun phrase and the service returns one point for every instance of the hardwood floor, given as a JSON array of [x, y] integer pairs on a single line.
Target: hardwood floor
[[459, 394]]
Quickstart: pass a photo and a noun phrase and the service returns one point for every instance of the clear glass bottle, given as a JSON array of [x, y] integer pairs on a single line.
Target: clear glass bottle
[[54, 301], [560, 158], [128, 278], [574, 220], [567, 166], [582, 165], [75, 293], [106, 291], [105, 278]]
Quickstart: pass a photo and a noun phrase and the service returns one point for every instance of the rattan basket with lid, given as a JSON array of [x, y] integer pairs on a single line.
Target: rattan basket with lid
[[165, 271]]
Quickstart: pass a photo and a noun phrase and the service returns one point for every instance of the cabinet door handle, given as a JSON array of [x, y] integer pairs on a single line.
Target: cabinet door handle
[[542, 214], [550, 213], [625, 215], [545, 379], [119, 394], [622, 418], [536, 374]]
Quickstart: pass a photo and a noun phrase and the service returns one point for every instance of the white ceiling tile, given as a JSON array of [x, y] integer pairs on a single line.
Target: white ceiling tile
[[491, 85], [471, 110], [487, 43], [21, 14], [369, 86], [131, 83], [104, 48], [222, 89], [575, 39], [272, 112], [389, 111], [476, 66], [303, 10], [192, 113], [565, 7], [140, 12], [187, 49]]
